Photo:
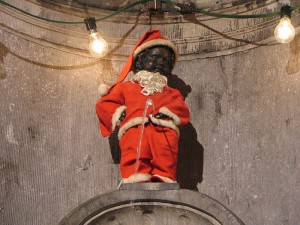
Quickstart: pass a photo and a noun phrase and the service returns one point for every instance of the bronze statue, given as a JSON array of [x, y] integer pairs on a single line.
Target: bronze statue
[[148, 112]]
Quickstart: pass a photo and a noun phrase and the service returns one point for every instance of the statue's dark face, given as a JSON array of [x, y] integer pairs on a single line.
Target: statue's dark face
[[156, 59]]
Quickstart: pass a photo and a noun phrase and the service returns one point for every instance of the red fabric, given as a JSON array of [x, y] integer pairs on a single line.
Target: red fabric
[[158, 152], [159, 144], [129, 94], [148, 36]]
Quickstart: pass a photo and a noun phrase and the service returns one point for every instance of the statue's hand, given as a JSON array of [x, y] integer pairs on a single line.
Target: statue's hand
[[160, 116], [123, 115]]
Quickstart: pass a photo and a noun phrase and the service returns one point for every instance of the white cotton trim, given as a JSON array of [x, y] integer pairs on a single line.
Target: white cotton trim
[[103, 89], [155, 42], [166, 123], [138, 177], [115, 118], [169, 113], [129, 124], [165, 179]]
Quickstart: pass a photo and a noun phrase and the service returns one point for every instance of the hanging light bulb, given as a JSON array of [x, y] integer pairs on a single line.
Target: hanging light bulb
[[98, 47], [285, 32]]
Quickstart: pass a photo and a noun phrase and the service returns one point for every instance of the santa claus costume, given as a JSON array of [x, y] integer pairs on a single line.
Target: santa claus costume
[[149, 146]]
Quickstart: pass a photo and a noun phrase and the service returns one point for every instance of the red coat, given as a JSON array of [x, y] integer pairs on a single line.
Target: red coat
[[159, 145], [127, 96]]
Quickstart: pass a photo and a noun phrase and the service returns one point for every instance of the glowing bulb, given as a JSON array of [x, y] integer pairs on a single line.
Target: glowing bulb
[[98, 47], [284, 32]]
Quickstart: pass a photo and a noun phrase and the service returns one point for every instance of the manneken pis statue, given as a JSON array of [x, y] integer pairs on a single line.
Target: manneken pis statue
[[125, 104]]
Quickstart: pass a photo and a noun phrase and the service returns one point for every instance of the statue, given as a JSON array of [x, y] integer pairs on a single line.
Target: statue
[[147, 111]]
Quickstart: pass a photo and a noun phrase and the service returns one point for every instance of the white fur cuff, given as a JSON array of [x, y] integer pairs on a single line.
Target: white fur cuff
[[165, 123], [131, 123], [115, 118], [138, 177], [170, 114]]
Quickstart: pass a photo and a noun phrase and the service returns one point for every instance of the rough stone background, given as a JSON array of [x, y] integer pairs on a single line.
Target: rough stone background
[[242, 146]]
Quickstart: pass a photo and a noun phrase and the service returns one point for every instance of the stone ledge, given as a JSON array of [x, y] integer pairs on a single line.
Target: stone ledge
[[151, 207], [150, 186]]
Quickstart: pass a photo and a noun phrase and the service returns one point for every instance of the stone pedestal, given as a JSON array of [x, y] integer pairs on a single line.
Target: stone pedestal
[[154, 203], [150, 186]]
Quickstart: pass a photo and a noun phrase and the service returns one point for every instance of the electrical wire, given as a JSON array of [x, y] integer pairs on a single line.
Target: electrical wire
[[237, 16], [266, 15], [122, 9], [139, 2]]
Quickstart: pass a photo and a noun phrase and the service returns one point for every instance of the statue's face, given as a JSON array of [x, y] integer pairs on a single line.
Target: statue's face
[[158, 59]]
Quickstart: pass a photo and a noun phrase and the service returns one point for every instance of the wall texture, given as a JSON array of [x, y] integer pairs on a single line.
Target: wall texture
[[242, 146]]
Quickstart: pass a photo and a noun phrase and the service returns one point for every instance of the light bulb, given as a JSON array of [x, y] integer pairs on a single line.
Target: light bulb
[[284, 32], [98, 47]]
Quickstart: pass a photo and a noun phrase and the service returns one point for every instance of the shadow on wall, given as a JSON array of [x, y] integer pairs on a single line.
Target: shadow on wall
[[190, 159], [190, 155], [3, 52]]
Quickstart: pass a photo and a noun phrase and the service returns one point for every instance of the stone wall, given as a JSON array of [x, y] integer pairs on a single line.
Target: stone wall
[[241, 147]]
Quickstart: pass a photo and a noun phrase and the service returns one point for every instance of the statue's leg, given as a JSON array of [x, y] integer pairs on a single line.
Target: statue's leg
[[133, 170], [163, 143]]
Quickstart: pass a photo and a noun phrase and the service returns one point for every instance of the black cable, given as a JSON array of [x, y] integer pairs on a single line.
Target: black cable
[[124, 8], [169, 2]]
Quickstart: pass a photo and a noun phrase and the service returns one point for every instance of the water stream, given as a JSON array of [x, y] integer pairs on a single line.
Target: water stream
[[148, 103]]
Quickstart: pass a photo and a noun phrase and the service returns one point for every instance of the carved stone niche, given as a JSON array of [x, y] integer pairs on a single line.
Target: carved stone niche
[[150, 207]]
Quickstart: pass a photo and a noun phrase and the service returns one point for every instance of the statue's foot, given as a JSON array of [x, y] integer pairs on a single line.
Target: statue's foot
[[156, 179], [137, 178]]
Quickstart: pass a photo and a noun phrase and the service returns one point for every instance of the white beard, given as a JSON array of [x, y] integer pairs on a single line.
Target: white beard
[[150, 82]]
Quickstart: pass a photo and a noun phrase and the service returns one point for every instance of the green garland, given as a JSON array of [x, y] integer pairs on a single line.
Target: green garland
[[124, 8], [138, 2]]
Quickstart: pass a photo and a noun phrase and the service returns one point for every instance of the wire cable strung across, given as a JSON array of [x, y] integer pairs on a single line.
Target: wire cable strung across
[[140, 2], [123, 9]]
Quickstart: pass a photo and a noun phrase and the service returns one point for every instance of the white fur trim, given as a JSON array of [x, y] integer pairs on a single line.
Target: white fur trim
[[129, 124], [169, 113], [165, 179], [138, 177], [165, 123], [115, 118], [103, 89], [156, 42]]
